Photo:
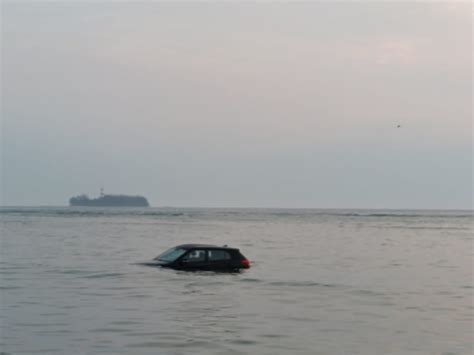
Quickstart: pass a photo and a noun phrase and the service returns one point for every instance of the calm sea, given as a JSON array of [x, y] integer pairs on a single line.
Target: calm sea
[[322, 282]]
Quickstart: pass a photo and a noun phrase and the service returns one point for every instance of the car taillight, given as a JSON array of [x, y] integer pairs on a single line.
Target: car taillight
[[245, 263]]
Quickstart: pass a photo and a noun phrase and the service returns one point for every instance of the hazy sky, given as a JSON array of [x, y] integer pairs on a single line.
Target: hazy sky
[[238, 104]]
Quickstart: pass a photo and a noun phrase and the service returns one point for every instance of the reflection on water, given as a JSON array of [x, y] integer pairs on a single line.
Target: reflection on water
[[321, 282]]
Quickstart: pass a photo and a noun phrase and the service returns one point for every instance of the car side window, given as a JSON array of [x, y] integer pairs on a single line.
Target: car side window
[[218, 255], [195, 256]]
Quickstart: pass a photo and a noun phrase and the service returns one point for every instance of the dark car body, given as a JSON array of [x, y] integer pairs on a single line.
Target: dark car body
[[194, 257]]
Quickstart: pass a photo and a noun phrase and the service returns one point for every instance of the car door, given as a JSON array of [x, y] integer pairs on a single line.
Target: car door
[[219, 259], [195, 259]]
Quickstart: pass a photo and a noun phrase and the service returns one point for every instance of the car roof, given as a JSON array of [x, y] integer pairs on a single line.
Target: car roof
[[207, 246]]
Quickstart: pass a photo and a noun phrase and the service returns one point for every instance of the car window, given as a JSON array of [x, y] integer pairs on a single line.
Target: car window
[[216, 255], [171, 254], [195, 256]]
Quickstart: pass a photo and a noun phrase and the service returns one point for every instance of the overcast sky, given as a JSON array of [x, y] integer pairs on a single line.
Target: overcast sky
[[238, 104]]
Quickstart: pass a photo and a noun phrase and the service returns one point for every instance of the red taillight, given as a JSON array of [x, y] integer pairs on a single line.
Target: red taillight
[[245, 263]]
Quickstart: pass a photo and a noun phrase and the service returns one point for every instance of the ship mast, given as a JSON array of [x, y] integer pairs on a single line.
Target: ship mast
[[101, 192]]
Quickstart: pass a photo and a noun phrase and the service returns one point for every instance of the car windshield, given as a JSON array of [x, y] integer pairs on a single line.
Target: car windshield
[[171, 254]]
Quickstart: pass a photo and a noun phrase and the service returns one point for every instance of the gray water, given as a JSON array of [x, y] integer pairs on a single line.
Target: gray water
[[321, 282]]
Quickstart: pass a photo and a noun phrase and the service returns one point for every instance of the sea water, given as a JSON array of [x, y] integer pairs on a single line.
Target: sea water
[[321, 282]]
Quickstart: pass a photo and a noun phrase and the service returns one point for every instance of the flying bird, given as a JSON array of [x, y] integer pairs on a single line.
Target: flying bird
[[399, 126]]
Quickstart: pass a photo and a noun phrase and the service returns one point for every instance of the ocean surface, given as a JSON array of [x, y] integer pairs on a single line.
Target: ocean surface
[[321, 282]]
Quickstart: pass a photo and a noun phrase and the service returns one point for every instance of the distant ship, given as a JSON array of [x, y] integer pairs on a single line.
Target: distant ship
[[109, 201]]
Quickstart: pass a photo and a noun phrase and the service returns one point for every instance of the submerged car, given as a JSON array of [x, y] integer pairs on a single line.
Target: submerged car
[[201, 257]]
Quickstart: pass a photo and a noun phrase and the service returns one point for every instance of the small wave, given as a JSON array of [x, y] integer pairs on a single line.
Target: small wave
[[42, 324], [71, 272], [170, 344], [366, 292], [272, 335], [232, 213], [109, 330], [298, 213], [244, 342], [402, 215], [104, 275], [6, 288], [125, 322], [251, 280], [94, 294], [422, 228], [87, 212], [148, 334], [300, 284]]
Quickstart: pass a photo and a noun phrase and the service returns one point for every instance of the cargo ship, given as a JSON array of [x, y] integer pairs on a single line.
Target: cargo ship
[[106, 200]]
